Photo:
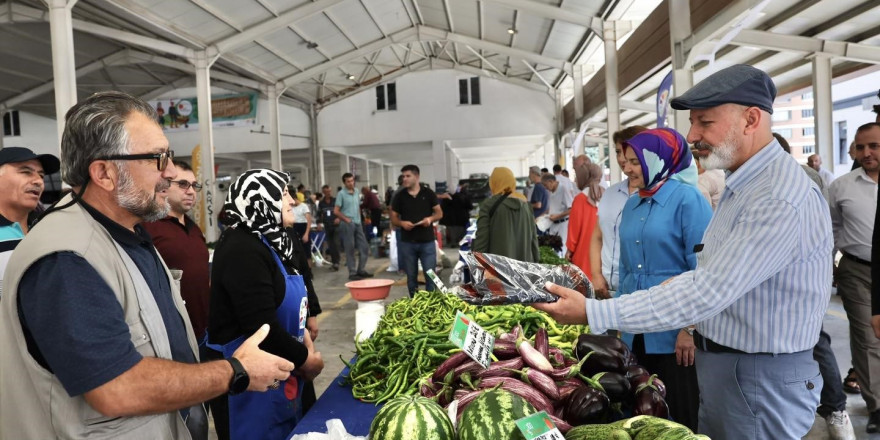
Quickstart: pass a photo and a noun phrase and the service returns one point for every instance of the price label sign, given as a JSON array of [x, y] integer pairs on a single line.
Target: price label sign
[[539, 427], [434, 278], [472, 339]]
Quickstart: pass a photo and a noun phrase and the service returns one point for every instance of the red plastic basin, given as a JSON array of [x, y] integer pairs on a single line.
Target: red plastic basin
[[369, 290]]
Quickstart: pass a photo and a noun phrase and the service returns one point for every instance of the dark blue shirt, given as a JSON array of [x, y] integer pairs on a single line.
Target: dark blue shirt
[[540, 194], [73, 323]]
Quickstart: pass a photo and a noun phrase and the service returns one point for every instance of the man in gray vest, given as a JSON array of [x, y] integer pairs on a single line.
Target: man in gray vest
[[95, 338]]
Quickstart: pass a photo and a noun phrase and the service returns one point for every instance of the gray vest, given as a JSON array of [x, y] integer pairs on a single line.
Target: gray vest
[[33, 403]]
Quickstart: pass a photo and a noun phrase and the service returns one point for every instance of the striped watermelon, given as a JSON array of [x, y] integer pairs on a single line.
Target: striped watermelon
[[492, 416], [411, 417]]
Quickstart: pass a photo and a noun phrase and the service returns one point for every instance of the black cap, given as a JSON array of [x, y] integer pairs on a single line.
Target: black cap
[[737, 84], [50, 163]]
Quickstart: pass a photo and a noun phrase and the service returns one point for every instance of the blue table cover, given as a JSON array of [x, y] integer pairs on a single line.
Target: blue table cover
[[338, 403]]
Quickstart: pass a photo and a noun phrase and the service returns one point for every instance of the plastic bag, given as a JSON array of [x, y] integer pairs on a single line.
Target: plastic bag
[[502, 280], [335, 431]]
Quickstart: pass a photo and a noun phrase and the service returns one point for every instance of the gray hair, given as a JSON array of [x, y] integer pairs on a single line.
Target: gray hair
[[548, 178], [535, 170], [95, 128]]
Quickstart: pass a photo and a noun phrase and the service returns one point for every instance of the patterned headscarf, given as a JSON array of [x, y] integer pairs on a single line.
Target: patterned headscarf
[[663, 154], [254, 204]]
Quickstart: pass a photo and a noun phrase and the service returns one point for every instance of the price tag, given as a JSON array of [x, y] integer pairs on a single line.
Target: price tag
[[434, 278], [539, 427], [472, 339]]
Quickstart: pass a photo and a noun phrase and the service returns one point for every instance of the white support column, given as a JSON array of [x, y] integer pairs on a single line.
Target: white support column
[[682, 73], [2, 134], [578, 80], [344, 165], [440, 168], [366, 172], [274, 128], [63, 62], [206, 140], [822, 106], [612, 94], [317, 153], [382, 181]]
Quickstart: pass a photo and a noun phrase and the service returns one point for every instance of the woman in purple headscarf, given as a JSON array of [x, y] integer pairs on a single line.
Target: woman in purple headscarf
[[658, 234]]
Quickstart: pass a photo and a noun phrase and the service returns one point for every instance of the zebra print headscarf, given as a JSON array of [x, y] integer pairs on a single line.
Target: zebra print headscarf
[[254, 203]]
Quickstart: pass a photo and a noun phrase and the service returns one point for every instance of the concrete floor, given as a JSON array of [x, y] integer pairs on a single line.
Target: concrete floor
[[337, 330]]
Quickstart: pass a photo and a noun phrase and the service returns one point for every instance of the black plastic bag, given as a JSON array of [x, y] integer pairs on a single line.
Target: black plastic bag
[[502, 280]]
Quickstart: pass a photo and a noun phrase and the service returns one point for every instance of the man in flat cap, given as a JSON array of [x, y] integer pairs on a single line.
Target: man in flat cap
[[762, 281], [21, 185]]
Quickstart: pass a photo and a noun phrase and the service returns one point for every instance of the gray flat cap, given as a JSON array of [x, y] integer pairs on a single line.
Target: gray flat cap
[[737, 84]]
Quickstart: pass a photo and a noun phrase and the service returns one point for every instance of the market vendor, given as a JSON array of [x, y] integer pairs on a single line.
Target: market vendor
[[254, 280], [762, 281]]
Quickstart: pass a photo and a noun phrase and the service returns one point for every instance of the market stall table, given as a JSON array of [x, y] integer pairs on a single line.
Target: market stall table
[[338, 403]]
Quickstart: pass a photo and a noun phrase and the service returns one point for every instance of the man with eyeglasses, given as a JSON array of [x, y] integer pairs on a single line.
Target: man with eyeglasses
[[181, 244], [95, 338], [853, 201]]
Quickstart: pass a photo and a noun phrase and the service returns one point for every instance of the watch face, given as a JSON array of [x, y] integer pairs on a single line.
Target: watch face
[[240, 379]]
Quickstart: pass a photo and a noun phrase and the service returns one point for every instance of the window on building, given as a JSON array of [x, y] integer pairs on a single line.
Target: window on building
[[781, 115], [808, 131], [11, 124], [784, 132], [808, 149], [808, 96], [386, 97], [807, 113], [469, 91]]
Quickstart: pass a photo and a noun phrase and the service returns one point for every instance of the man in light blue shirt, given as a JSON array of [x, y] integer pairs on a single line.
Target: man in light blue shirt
[[351, 234], [762, 281]]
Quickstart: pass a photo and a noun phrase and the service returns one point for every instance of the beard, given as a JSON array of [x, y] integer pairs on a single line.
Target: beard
[[720, 157], [141, 203]]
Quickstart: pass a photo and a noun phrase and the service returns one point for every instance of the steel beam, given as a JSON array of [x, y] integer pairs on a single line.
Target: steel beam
[[553, 13], [203, 63], [822, 108], [612, 94], [63, 63], [793, 43]]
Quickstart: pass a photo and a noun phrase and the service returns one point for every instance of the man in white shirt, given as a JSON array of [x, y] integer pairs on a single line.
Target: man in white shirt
[[853, 202], [815, 162], [560, 206], [565, 182]]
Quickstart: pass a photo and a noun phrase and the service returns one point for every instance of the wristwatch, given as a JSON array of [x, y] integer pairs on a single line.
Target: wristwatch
[[689, 330], [240, 379]]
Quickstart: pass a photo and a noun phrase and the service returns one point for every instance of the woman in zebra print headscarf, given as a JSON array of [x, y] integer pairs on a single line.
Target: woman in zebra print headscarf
[[253, 281]]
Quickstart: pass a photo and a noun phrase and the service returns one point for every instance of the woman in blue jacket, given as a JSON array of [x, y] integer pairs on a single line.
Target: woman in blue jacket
[[660, 232]]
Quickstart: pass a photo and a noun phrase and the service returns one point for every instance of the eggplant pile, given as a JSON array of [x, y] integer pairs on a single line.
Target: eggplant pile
[[591, 388]]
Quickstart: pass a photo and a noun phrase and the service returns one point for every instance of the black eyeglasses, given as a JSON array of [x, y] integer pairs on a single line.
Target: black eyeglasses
[[162, 159], [185, 184]]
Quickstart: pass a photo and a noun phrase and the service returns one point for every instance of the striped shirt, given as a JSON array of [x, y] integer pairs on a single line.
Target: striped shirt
[[763, 278]]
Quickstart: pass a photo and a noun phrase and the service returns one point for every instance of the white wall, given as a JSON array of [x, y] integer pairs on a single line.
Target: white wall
[[853, 116], [38, 133], [428, 111]]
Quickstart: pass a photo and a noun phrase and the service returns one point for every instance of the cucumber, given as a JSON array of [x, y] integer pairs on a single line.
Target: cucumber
[[676, 433], [592, 432]]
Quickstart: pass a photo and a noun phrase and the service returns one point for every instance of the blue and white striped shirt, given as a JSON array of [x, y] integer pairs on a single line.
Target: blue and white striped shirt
[[763, 277]]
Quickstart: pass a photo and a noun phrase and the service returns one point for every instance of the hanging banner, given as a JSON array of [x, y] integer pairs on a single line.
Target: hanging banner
[[663, 99], [179, 114]]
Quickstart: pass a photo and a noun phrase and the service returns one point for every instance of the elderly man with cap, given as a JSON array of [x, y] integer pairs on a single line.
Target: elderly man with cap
[[762, 281], [21, 185]]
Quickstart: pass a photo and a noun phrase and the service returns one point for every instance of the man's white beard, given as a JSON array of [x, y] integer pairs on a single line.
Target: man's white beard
[[721, 157]]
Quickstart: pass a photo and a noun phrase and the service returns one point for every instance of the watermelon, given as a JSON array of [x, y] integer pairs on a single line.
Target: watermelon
[[411, 417], [493, 416]]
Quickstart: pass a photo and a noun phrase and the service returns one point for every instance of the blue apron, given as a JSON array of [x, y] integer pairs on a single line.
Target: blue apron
[[273, 414]]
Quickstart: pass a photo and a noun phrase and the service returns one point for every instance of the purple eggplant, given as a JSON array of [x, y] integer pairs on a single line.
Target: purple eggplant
[[568, 371], [598, 361], [588, 342], [587, 405], [556, 356], [542, 342], [470, 367], [616, 386], [650, 381], [561, 425], [505, 349], [634, 371], [649, 402], [449, 365], [541, 382], [426, 388], [532, 357], [501, 368]]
